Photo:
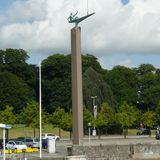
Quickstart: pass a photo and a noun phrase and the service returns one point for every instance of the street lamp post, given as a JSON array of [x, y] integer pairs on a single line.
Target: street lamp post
[[4, 143], [4, 127], [94, 112], [89, 132], [40, 112]]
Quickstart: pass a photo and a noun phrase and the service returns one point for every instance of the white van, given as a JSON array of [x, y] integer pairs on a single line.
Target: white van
[[50, 135]]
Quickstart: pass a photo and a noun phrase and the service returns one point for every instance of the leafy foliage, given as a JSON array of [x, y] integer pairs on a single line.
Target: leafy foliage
[[66, 122], [61, 119], [7, 116], [14, 92], [158, 114], [149, 118], [94, 85], [19, 93], [127, 115], [87, 118], [149, 90], [13, 56], [104, 118], [144, 69], [123, 82], [91, 61], [55, 118], [56, 75], [30, 115]]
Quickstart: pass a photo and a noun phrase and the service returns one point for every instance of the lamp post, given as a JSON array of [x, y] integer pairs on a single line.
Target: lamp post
[[89, 132], [40, 113], [4, 127], [4, 143], [94, 112]]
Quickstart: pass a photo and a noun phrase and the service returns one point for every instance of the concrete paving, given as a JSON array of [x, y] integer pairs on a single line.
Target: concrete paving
[[61, 150]]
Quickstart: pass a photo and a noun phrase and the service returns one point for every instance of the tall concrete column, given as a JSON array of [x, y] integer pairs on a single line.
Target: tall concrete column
[[77, 98]]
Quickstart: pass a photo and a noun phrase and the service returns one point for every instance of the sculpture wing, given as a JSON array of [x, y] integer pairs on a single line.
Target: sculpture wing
[[78, 20]]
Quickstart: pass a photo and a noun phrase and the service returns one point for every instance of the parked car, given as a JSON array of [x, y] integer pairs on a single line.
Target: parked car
[[50, 135], [23, 139], [6, 140], [16, 145], [144, 131], [32, 142], [157, 135]]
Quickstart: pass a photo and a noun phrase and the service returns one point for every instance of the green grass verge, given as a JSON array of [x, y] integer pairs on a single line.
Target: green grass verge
[[22, 131]]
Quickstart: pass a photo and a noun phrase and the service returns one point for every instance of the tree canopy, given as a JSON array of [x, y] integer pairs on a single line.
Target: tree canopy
[[121, 90], [14, 92]]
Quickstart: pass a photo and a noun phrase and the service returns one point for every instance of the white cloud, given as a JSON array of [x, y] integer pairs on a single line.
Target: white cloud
[[40, 26], [126, 63], [109, 62]]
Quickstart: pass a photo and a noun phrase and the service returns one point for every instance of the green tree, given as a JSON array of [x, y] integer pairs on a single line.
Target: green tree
[[56, 117], [24, 71], [157, 111], [145, 69], [66, 122], [122, 81], [30, 116], [56, 75], [93, 84], [104, 118], [14, 55], [7, 116], [61, 119], [127, 116], [149, 119], [149, 91], [87, 118], [14, 61], [14, 92], [88, 61]]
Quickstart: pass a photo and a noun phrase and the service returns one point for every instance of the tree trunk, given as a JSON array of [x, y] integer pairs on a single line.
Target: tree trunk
[[59, 132], [34, 132]]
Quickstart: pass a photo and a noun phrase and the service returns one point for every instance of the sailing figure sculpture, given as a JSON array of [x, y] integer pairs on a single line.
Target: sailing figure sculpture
[[74, 19]]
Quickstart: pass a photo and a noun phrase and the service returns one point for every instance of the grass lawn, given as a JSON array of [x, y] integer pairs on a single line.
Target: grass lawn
[[22, 131], [134, 132]]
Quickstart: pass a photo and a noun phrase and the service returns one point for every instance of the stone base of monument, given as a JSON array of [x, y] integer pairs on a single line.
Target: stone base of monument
[[146, 151], [78, 157], [143, 156]]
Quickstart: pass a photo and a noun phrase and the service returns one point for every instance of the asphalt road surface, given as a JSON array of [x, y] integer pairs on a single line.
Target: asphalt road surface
[[61, 150]]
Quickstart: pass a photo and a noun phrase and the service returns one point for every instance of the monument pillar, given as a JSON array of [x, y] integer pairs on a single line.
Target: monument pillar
[[77, 98]]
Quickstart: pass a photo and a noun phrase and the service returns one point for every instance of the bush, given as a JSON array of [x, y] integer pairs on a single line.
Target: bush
[[115, 129]]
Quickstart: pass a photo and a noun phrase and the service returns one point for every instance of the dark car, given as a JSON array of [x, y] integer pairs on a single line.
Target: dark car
[[1, 143], [144, 131], [157, 136]]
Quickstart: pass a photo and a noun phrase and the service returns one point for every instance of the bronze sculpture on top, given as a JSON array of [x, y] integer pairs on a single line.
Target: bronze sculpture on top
[[76, 63], [74, 19]]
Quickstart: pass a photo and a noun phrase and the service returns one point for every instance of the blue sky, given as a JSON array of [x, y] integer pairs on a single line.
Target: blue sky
[[122, 32], [125, 1], [4, 4]]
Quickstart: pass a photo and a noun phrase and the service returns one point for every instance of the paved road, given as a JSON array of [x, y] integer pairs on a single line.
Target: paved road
[[109, 140], [61, 150]]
